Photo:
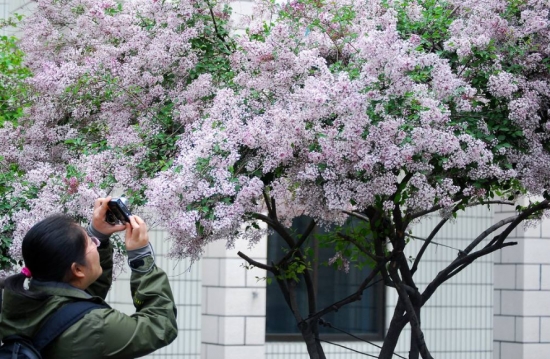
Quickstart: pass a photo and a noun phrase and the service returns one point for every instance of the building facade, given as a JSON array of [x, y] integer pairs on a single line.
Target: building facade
[[498, 308]]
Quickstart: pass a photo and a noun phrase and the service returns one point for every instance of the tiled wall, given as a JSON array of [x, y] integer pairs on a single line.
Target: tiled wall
[[233, 307], [522, 293], [186, 287]]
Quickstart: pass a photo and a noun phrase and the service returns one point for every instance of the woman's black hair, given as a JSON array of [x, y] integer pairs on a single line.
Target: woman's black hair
[[49, 249]]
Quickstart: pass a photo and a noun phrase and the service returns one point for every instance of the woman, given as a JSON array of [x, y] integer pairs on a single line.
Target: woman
[[66, 263]]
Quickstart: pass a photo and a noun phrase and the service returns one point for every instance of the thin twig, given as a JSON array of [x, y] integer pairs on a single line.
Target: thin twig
[[218, 35], [359, 246], [426, 240]]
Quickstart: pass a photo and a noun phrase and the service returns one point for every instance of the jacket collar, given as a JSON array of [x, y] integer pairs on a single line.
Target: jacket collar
[[58, 288]]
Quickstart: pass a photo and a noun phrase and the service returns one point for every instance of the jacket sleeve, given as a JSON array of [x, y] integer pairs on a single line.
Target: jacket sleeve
[[101, 286], [152, 326]]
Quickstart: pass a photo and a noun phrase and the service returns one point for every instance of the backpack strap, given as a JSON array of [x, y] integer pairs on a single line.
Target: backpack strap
[[61, 320], [19, 346]]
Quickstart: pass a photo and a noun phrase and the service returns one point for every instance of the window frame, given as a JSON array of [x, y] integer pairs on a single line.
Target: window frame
[[379, 324]]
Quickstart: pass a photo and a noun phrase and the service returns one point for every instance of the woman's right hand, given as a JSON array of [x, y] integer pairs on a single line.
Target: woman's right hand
[[136, 234]]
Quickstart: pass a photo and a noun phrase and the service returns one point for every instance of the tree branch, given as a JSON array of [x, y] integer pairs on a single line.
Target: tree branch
[[294, 302], [508, 203], [349, 299], [416, 215], [255, 263], [462, 266], [409, 285], [427, 243], [522, 216], [495, 244], [397, 324], [359, 246], [281, 230], [311, 299], [277, 227], [472, 245], [464, 261], [397, 215], [305, 236], [267, 201], [284, 291], [488, 231], [358, 215]]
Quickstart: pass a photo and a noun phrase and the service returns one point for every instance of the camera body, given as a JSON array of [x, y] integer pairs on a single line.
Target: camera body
[[118, 211]]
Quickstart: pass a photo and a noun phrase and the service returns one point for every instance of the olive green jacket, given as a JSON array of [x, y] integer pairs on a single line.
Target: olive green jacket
[[102, 333]]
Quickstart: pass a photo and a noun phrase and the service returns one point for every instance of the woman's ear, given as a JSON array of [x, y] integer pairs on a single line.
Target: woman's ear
[[78, 276], [76, 271]]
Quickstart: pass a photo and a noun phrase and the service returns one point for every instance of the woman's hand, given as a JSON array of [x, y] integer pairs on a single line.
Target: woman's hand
[[136, 234], [98, 219]]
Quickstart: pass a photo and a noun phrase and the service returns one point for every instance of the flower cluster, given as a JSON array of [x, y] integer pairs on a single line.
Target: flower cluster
[[325, 107]]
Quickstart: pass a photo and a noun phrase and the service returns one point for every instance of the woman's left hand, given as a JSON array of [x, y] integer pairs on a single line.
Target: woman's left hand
[[98, 218]]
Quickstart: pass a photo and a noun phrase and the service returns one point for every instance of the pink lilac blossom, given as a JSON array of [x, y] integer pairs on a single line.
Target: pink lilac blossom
[[342, 266], [502, 85], [317, 138]]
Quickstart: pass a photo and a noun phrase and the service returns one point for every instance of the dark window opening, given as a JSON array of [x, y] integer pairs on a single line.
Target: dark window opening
[[364, 318]]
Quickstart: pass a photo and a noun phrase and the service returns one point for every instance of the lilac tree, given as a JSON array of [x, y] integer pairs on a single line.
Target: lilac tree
[[387, 111]]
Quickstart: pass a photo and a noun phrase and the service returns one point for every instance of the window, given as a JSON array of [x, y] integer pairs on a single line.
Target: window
[[364, 318]]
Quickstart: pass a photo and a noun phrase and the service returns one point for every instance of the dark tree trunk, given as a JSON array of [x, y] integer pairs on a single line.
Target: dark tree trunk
[[398, 322], [314, 348], [414, 352]]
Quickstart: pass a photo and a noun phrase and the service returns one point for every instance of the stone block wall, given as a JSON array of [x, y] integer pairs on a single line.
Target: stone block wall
[[522, 293], [233, 306]]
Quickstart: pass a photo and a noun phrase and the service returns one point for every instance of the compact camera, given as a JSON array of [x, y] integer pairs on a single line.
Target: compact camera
[[118, 211]]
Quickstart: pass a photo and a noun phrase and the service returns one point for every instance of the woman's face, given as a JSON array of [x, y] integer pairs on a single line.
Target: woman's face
[[93, 268]]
